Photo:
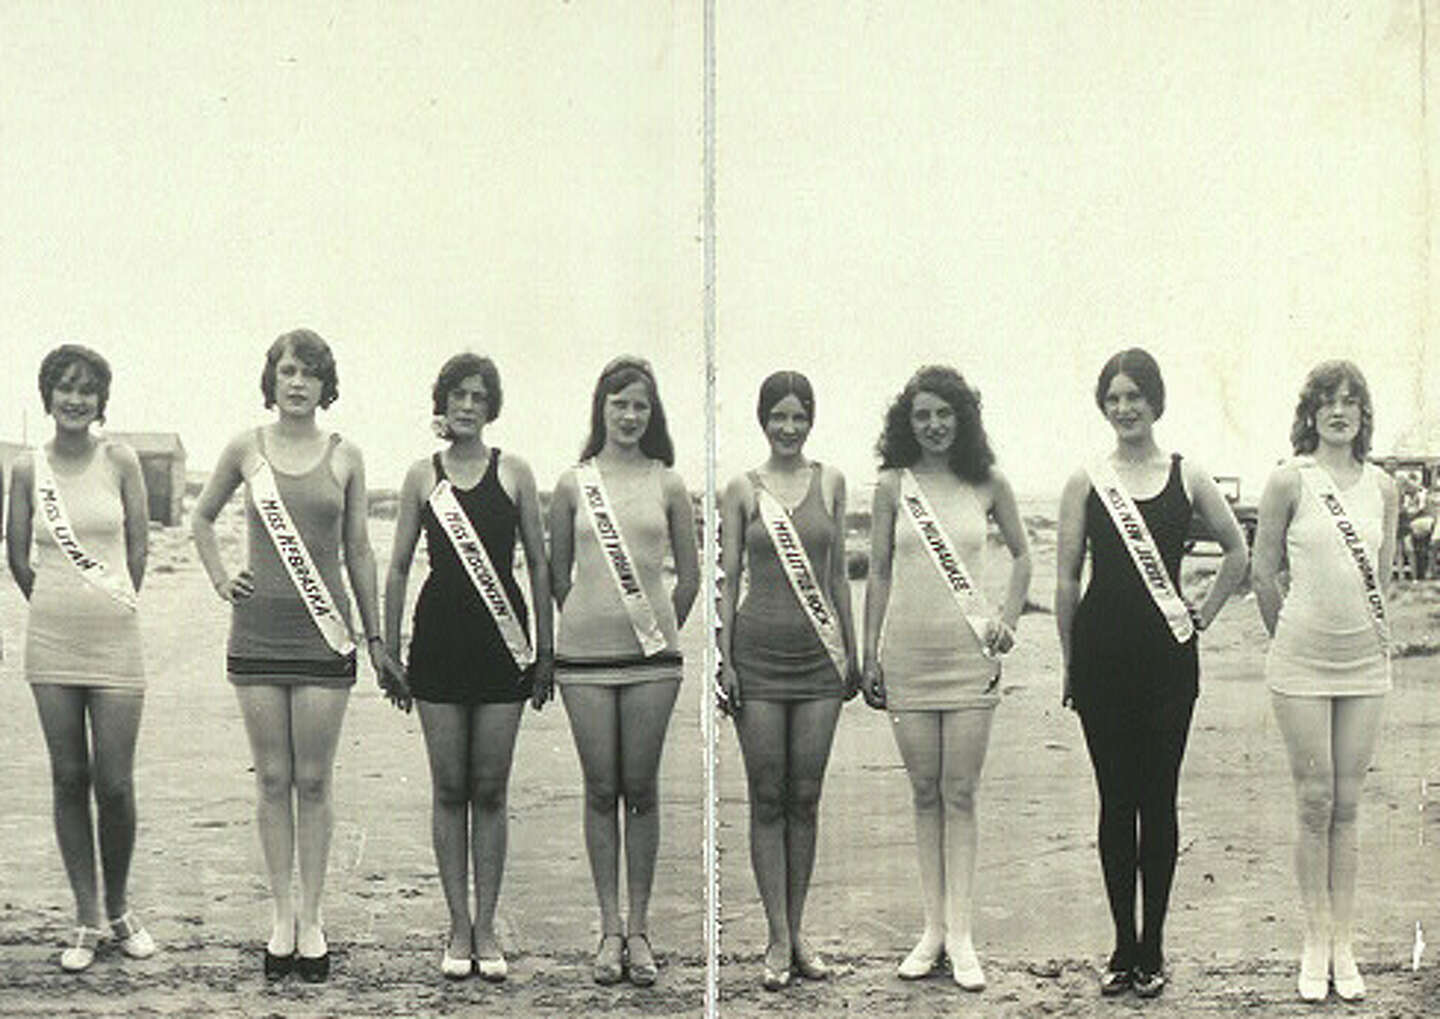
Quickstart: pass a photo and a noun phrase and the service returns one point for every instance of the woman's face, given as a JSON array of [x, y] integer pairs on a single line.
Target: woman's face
[[933, 421], [467, 406], [627, 414], [297, 385], [1338, 415], [75, 400], [787, 426], [1127, 409]]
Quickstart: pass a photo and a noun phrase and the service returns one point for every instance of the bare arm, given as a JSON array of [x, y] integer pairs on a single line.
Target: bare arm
[[22, 523], [840, 584], [1277, 509], [217, 491], [1069, 562], [359, 556], [1220, 519], [1012, 531], [877, 584], [732, 561], [680, 515], [402, 552], [136, 508], [562, 536], [1390, 500], [537, 568]]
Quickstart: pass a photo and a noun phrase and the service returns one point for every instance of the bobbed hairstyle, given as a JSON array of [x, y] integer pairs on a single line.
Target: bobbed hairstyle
[[457, 370], [313, 352], [1140, 368], [970, 455], [59, 361], [1323, 382], [615, 376], [780, 385]]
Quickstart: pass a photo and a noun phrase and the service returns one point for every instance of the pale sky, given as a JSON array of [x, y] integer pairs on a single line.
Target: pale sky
[[1015, 189]]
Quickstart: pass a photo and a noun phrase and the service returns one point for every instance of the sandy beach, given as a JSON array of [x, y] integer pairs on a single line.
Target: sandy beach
[[1042, 928]]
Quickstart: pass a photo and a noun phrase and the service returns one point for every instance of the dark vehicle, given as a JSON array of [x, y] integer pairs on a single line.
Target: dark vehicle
[[1247, 513]]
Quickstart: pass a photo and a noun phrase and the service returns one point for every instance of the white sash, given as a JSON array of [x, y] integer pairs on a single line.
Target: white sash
[[1135, 535], [290, 547], [57, 522], [943, 556], [481, 571], [1322, 486], [617, 556], [801, 574]]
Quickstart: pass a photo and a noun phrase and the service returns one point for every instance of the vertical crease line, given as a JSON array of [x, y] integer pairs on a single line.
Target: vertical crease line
[[709, 544]]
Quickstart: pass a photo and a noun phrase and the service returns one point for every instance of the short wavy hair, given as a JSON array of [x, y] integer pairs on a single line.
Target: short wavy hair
[[459, 368], [1323, 382], [615, 376], [779, 385], [61, 359], [314, 352], [970, 455], [1140, 368]]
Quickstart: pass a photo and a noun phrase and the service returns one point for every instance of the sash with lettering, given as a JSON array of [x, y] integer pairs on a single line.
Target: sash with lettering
[[1136, 538], [801, 574], [290, 547], [57, 522], [1322, 486], [943, 556], [617, 556], [481, 571]]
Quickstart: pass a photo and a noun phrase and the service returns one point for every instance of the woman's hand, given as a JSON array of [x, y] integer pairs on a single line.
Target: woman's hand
[[999, 637], [390, 674], [873, 685], [542, 680], [851, 685], [727, 690], [237, 588], [1067, 696]]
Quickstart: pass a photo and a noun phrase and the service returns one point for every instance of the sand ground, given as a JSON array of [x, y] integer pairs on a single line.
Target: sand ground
[[1041, 927]]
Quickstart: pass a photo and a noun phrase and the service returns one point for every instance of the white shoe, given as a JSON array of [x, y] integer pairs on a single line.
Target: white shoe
[[1349, 985], [965, 968], [921, 962], [1313, 983], [135, 940], [494, 970], [80, 955], [455, 969]]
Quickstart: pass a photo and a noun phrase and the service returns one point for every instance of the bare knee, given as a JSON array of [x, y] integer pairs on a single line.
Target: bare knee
[[274, 782], [803, 803], [488, 794], [641, 797], [767, 801], [959, 795], [70, 781], [601, 796], [312, 786], [925, 792], [1345, 810], [1315, 802], [115, 793]]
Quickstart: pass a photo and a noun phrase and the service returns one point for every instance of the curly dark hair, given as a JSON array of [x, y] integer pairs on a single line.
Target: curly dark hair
[[970, 455], [1323, 382], [615, 376], [459, 368], [1140, 368], [59, 361], [308, 347]]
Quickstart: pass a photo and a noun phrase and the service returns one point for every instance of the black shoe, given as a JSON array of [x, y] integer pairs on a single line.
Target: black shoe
[[313, 969], [1115, 981], [1148, 984], [278, 966]]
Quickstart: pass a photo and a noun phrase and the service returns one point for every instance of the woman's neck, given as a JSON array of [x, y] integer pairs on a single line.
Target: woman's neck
[[72, 443], [786, 463], [931, 462], [616, 454], [296, 426], [1137, 450], [472, 448], [1335, 456]]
